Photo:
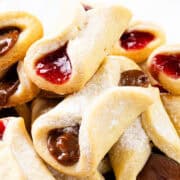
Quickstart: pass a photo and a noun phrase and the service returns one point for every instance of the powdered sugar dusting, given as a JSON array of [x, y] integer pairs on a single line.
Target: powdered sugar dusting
[[134, 137]]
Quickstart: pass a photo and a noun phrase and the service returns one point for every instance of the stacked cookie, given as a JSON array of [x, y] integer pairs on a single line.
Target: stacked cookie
[[81, 94]]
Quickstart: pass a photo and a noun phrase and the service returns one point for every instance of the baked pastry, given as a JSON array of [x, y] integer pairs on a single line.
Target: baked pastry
[[16, 87], [160, 129], [164, 66], [41, 106], [86, 149], [172, 106], [18, 30], [17, 151], [129, 155], [132, 149], [74, 105], [139, 40], [59, 176], [63, 63], [75, 116]]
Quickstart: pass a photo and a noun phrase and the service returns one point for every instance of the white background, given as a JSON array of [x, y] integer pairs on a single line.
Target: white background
[[166, 13]]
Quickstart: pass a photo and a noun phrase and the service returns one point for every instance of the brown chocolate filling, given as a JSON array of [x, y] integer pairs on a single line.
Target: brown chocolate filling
[[160, 167], [109, 176], [63, 145], [134, 78], [50, 95], [8, 38], [6, 112], [8, 85]]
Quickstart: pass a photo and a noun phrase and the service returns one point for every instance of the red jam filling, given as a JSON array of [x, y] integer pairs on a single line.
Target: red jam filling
[[55, 67], [86, 7], [8, 38], [161, 89], [135, 40], [166, 63], [2, 129]]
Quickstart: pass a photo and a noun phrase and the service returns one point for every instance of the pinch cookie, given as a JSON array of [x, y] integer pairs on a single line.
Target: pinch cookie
[[139, 40], [129, 155], [164, 66], [41, 106], [160, 129], [91, 153], [126, 153], [76, 57], [16, 88], [74, 106], [18, 153], [172, 106], [18, 30]]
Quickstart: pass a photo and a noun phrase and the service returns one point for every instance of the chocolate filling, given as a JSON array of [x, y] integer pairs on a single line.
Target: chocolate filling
[[6, 112], [8, 85], [63, 145], [8, 38], [109, 176], [50, 95], [134, 78], [160, 167]]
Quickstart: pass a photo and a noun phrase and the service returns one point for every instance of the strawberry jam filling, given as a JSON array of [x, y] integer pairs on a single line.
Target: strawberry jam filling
[[2, 129], [166, 63], [3, 124], [86, 7], [135, 40], [63, 145], [8, 38], [55, 67]]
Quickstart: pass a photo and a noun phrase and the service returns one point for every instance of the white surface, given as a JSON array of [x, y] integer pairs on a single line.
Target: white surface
[[166, 13]]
